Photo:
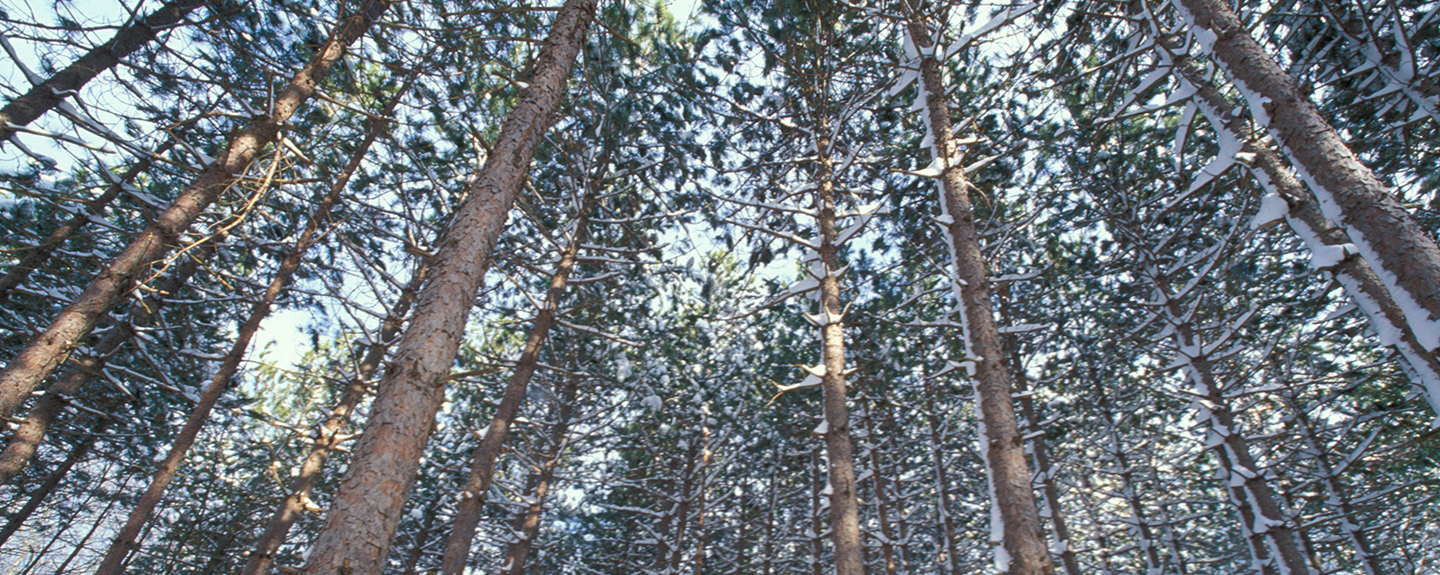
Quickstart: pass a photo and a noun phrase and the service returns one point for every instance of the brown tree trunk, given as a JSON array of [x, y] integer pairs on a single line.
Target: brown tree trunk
[[43, 353], [1250, 492], [32, 431], [50, 93], [1338, 495], [37, 255], [362, 522], [482, 467], [1052, 510], [44, 490], [1402, 253], [528, 524], [263, 554], [844, 506], [123, 543], [1023, 551], [1305, 218]]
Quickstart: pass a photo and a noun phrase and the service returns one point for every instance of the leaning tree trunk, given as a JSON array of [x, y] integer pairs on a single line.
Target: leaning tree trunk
[[42, 354], [1013, 511], [125, 540], [50, 93], [1305, 219], [528, 524], [37, 255], [39, 494], [262, 556], [482, 467], [357, 534], [1402, 253], [33, 429]]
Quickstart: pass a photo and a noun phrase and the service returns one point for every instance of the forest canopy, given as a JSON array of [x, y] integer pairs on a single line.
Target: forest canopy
[[804, 286]]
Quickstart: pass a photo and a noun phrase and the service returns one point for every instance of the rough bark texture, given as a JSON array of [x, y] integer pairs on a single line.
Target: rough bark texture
[[482, 466], [528, 523], [50, 93], [1406, 258], [125, 540], [366, 512], [38, 254], [42, 354], [31, 432], [262, 555], [1004, 447], [844, 506], [1306, 219]]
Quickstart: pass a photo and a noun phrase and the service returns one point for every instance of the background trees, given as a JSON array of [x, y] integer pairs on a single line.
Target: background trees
[[1195, 389]]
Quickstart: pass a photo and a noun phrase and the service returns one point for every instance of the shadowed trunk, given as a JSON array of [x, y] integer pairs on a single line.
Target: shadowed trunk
[[40, 493], [528, 524]]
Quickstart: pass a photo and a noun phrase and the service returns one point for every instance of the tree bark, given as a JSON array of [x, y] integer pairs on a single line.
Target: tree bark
[[125, 540], [50, 93], [43, 353], [1053, 510], [263, 554], [844, 505], [39, 253], [31, 432], [1023, 550], [482, 467], [1402, 253], [362, 522], [1305, 219]]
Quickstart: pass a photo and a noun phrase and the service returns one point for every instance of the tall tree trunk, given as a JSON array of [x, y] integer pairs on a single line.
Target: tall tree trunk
[[482, 466], [36, 255], [1052, 509], [263, 554], [43, 353], [44, 490], [1013, 513], [1272, 541], [32, 431], [362, 522], [528, 524], [124, 541], [1145, 537], [1338, 496], [844, 504], [1305, 219], [1402, 253], [50, 93], [878, 485]]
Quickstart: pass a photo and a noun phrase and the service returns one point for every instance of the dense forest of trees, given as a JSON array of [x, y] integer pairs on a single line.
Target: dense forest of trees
[[794, 287]]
